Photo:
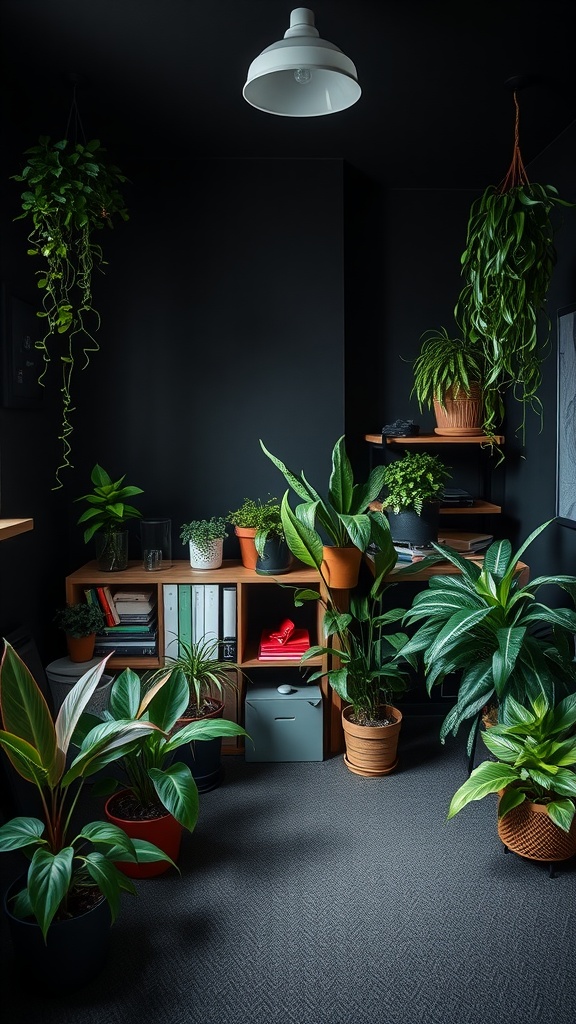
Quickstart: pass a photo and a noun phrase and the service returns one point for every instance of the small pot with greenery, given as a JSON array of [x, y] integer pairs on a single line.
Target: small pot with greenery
[[154, 788], [71, 866], [341, 517], [448, 376], [80, 622], [258, 526], [71, 192], [205, 538], [106, 517], [414, 486], [487, 624], [364, 666], [533, 750]]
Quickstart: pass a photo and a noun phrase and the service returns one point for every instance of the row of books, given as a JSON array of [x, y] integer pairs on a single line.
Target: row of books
[[131, 622], [466, 543], [196, 612]]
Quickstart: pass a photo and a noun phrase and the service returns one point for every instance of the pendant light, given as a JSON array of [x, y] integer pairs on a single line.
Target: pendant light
[[302, 75]]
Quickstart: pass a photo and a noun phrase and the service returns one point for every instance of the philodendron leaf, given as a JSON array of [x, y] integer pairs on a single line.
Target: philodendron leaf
[[487, 778]]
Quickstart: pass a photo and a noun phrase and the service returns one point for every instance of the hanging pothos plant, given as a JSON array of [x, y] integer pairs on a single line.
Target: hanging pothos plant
[[71, 193], [507, 266]]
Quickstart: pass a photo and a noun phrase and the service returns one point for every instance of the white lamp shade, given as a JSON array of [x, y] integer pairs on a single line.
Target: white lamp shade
[[302, 75]]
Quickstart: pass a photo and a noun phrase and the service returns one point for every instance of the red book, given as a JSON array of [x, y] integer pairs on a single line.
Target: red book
[[105, 606]]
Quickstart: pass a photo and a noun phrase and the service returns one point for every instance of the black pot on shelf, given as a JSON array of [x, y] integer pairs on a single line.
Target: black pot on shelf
[[276, 558], [406, 527]]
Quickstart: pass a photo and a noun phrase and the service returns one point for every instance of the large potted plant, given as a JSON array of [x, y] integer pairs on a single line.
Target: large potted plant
[[448, 374], [71, 192], [205, 539], [341, 518], [414, 485], [364, 667], [258, 526], [533, 752], [155, 797], [106, 517], [61, 909], [488, 626], [207, 677], [80, 623]]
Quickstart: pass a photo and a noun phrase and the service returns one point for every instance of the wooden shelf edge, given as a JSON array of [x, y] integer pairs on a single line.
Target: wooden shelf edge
[[480, 439], [13, 527]]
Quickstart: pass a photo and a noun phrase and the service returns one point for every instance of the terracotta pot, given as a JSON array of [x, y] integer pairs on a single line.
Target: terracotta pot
[[165, 832], [462, 414], [75, 951], [341, 567], [372, 750], [80, 648], [248, 553], [529, 831]]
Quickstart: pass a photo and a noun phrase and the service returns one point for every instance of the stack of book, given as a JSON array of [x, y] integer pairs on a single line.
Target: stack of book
[[283, 642], [466, 542], [414, 552], [134, 631]]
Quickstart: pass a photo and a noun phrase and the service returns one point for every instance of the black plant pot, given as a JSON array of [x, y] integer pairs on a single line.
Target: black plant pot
[[406, 527], [276, 558], [203, 757]]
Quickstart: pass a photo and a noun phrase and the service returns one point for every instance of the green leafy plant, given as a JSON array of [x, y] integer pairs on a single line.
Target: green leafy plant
[[535, 751], [412, 480], [445, 363], [154, 778], [487, 626], [108, 508], [71, 192], [262, 516], [66, 860], [343, 514], [203, 533], [79, 620], [204, 672], [507, 267]]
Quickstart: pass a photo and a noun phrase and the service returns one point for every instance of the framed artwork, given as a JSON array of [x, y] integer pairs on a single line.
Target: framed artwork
[[21, 363], [566, 418]]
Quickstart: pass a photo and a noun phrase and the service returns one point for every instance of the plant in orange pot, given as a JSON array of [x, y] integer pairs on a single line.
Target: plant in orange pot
[[341, 519], [258, 526], [80, 622], [448, 378]]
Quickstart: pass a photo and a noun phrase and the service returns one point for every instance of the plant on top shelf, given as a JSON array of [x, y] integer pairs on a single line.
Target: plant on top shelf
[[107, 514], [71, 192], [448, 376], [533, 752], [341, 518], [67, 864], [262, 516], [487, 625], [507, 267], [205, 538]]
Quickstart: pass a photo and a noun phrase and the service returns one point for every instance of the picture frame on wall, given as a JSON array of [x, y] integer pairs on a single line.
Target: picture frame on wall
[[566, 417], [21, 363]]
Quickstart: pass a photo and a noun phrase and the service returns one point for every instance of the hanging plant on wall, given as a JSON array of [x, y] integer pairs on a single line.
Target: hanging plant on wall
[[507, 266], [71, 193]]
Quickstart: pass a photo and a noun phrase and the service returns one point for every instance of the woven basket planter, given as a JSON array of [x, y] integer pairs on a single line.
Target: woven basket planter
[[529, 831]]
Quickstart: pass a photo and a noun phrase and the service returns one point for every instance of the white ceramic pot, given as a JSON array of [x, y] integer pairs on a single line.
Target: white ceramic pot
[[207, 560]]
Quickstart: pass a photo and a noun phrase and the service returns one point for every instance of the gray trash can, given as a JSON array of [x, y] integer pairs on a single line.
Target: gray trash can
[[62, 674]]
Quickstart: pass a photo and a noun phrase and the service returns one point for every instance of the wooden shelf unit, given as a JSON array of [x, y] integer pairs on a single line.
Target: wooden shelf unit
[[14, 527]]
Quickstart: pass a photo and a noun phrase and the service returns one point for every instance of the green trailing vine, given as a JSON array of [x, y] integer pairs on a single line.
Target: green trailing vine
[[507, 266], [70, 193]]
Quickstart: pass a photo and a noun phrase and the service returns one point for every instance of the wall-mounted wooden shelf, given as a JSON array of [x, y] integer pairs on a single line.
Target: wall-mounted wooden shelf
[[422, 439], [13, 527]]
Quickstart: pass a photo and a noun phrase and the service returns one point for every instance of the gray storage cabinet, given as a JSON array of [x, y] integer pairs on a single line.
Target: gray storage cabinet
[[284, 727]]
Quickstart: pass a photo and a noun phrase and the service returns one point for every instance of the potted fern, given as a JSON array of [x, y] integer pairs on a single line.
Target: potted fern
[[71, 192], [414, 485], [205, 539]]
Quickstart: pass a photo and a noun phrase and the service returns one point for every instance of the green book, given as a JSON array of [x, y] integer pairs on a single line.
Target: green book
[[185, 612]]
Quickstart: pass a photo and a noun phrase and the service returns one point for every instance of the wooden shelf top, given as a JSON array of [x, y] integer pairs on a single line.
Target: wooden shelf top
[[479, 439], [13, 527], [231, 571]]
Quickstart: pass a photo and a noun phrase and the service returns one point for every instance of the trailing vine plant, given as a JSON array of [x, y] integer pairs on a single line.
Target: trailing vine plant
[[507, 266], [70, 193]]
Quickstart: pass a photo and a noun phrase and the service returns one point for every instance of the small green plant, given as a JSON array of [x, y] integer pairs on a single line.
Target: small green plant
[[80, 620], [534, 751], [416, 478], [263, 516], [444, 363], [203, 532], [64, 860], [108, 508], [204, 673], [71, 192]]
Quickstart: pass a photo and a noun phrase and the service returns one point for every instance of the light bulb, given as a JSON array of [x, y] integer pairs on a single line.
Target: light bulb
[[303, 75]]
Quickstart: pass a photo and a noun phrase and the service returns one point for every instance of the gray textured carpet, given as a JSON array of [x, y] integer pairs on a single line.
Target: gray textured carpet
[[311, 896]]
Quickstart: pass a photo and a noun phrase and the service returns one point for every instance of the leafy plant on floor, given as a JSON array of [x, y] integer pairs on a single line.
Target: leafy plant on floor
[[71, 192]]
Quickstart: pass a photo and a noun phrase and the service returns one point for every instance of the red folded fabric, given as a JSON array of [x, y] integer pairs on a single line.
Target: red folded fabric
[[294, 647], [284, 632]]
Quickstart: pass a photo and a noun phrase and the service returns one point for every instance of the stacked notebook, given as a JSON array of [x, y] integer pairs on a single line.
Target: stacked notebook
[[286, 641]]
